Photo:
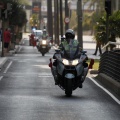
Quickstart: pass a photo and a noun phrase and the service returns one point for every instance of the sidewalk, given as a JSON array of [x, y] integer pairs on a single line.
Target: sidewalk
[[5, 58]]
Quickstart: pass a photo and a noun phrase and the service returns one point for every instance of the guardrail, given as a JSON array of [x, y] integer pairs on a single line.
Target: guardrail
[[110, 64]]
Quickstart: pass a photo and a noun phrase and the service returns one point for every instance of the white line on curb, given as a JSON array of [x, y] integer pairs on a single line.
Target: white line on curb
[[8, 67], [110, 94]]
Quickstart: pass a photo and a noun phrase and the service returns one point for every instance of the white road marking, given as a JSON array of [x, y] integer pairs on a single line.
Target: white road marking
[[110, 94], [8, 67], [19, 49], [42, 66], [1, 78], [46, 76]]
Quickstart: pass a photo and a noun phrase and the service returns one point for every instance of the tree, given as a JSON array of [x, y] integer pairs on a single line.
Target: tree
[[90, 17], [114, 29]]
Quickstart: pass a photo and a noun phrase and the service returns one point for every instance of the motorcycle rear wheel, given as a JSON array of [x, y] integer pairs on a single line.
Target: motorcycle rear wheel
[[68, 89]]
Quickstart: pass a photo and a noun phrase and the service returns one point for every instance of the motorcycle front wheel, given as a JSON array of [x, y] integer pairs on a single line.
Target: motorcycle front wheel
[[68, 89], [43, 54]]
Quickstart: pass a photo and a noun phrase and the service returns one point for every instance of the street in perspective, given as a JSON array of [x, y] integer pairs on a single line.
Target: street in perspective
[[28, 92], [59, 60]]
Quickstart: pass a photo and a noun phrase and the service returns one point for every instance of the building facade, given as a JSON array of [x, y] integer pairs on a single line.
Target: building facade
[[115, 5]]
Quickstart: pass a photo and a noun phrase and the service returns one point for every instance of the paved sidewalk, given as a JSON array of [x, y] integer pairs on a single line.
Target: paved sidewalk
[[5, 58]]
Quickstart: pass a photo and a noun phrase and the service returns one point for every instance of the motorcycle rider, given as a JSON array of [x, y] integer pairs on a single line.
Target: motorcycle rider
[[65, 46]]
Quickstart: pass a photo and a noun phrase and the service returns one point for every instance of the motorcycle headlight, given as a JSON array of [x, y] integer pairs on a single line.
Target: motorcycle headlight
[[44, 42], [65, 62], [75, 62]]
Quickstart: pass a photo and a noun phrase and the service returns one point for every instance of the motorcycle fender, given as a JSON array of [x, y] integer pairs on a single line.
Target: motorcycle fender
[[69, 76]]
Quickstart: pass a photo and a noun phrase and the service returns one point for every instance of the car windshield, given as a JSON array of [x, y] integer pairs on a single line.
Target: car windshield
[[72, 52]]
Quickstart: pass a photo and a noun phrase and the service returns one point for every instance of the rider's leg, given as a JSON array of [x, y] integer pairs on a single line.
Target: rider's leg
[[85, 73], [85, 70], [83, 77]]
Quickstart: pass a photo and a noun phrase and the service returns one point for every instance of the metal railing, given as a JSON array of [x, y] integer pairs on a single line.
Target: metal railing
[[107, 46], [110, 64]]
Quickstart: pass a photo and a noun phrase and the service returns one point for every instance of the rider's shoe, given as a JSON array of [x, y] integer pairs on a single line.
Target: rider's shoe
[[80, 86], [82, 79], [56, 83], [56, 80]]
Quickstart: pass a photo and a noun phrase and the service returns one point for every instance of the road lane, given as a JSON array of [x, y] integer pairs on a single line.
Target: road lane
[[27, 92]]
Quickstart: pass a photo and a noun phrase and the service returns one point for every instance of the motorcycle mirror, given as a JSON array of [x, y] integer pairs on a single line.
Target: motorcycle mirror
[[62, 39], [84, 52]]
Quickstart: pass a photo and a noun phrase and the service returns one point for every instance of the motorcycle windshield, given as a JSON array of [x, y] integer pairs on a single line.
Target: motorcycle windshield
[[71, 52]]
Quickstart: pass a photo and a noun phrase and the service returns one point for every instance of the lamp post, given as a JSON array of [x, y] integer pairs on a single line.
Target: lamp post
[[79, 30]]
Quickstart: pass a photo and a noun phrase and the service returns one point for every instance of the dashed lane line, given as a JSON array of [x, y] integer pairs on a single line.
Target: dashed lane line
[[1, 78], [8, 67]]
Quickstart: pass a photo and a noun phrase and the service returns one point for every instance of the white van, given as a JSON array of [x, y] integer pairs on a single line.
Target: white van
[[38, 34]]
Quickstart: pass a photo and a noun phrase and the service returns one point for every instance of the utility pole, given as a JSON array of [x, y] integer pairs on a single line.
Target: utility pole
[[79, 14], [55, 22], [61, 19], [66, 14], [108, 13], [3, 28], [50, 18]]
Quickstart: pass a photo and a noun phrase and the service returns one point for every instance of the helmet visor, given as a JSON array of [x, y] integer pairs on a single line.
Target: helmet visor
[[69, 35]]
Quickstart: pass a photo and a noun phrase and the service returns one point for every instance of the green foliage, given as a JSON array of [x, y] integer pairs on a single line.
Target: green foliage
[[17, 16], [114, 22], [114, 27], [73, 20], [100, 30], [34, 19]]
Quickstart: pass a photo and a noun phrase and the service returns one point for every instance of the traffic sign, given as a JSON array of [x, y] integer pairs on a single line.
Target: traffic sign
[[67, 20]]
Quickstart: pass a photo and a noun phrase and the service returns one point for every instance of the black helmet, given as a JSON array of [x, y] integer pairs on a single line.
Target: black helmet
[[70, 34]]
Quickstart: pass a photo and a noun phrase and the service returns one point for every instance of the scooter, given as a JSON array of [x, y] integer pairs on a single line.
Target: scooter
[[68, 71]]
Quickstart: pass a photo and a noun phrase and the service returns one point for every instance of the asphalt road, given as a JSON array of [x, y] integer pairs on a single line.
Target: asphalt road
[[27, 92]]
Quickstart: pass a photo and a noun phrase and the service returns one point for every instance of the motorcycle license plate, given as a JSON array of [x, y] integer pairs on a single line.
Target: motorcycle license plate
[[43, 46]]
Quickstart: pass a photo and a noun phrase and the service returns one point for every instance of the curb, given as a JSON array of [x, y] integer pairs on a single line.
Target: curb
[[2, 61], [110, 83], [15, 50], [92, 71]]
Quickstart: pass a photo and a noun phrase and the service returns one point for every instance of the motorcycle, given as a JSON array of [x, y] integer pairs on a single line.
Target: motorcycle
[[68, 71], [43, 46]]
